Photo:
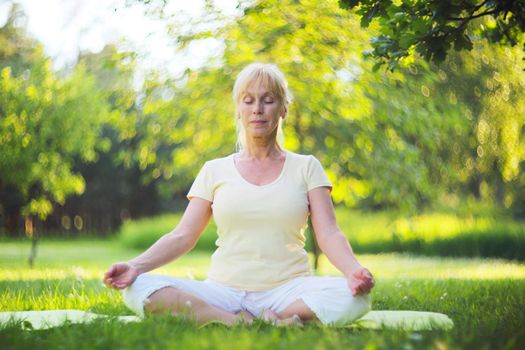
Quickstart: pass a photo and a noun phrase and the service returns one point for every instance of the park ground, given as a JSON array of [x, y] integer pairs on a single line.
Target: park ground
[[483, 296]]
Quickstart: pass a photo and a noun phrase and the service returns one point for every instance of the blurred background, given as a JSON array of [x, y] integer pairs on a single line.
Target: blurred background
[[108, 109]]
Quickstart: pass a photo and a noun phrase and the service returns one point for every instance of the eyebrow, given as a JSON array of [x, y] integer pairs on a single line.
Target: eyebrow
[[265, 94]]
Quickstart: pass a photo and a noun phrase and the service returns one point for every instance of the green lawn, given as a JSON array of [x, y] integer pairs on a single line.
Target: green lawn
[[438, 233], [484, 297]]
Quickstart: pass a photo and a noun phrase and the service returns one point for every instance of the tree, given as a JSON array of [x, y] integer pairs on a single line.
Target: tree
[[397, 140], [113, 190], [492, 147], [45, 122], [17, 50], [431, 28]]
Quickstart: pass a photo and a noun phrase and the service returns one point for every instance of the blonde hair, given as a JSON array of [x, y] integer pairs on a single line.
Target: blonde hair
[[271, 78]]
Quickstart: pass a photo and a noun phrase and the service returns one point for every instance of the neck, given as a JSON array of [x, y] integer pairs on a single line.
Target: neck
[[262, 148]]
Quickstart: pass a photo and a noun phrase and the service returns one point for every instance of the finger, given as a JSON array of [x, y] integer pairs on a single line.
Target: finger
[[368, 275], [353, 287], [368, 283], [363, 290], [357, 292]]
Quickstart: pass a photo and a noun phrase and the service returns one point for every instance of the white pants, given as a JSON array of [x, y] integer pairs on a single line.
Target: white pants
[[328, 297]]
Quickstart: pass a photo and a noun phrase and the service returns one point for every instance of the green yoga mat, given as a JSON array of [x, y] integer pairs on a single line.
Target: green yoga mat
[[400, 320], [404, 320], [55, 318]]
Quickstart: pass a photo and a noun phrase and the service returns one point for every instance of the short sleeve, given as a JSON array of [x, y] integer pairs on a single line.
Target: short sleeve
[[315, 175], [202, 187]]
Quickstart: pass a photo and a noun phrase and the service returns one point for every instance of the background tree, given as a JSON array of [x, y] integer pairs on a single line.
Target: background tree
[[361, 128], [492, 149], [115, 189], [432, 28], [45, 121]]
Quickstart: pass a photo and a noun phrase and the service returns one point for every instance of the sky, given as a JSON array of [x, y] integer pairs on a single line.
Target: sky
[[65, 27]]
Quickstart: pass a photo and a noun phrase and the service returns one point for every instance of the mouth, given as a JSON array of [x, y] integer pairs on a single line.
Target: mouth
[[258, 122]]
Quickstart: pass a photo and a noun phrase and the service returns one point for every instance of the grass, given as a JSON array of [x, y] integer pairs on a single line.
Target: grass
[[140, 234], [484, 297], [434, 234]]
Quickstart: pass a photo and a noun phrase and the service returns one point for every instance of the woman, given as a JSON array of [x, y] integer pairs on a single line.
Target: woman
[[260, 198]]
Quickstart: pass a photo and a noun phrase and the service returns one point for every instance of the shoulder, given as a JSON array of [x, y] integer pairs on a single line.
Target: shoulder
[[311, 170], [305, 160], [218, 162], [301, 158]]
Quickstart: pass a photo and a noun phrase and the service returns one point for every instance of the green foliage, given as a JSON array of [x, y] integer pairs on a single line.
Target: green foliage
[[433, 28], [397, 141], [45, 121], [141, 234], [493, 143], [17, 50], [434, 234], [384, 139]]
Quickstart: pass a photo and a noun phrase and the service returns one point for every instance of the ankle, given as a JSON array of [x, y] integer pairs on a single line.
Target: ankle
[[244, 317]]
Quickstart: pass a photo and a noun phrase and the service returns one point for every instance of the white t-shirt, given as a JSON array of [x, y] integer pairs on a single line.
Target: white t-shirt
[[260, 228]]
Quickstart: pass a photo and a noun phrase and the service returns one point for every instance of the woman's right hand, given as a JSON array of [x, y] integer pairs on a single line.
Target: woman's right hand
[[120, 275]]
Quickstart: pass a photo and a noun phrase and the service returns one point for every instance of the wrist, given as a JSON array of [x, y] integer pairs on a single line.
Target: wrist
[[352, 269], [136, 266]]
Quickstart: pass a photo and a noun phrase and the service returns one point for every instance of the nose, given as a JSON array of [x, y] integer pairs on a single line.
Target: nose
[[257, 108]]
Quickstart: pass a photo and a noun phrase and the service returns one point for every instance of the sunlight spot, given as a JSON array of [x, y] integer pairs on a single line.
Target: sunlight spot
[[477, 91], [442, 75], [425, 90], [78, 222], [480, 151]]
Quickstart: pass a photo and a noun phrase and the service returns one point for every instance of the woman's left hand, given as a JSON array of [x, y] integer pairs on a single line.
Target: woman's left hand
[[360, 281]]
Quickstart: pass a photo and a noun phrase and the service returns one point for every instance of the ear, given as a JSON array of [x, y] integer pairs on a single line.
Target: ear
[[285, 112]]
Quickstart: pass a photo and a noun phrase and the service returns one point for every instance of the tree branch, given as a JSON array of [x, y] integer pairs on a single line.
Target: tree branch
[[472, 17]]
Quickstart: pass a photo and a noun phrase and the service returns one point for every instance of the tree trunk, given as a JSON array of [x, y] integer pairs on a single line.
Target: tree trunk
[[500, 191], [31, 232]]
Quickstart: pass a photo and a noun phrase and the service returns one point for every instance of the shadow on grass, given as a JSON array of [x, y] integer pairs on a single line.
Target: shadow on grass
[[486, 244]]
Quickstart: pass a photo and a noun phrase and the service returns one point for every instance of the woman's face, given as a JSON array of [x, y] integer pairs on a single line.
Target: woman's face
[[259, 111]]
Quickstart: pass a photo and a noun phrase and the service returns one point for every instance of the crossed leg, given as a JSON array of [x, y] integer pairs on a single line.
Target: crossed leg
[[284, 306], [300, 309], [176, 301]]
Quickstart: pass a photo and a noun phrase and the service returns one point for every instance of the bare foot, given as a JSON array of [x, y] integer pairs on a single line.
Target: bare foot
[[272, 317], [244, 317]]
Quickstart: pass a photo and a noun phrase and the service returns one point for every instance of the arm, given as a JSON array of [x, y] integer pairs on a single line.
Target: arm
[[169, 247], [334, 244]]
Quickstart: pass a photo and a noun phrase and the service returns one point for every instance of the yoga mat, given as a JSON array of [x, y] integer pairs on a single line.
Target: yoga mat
[[399, 320], [54, 318], [403, 320]]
